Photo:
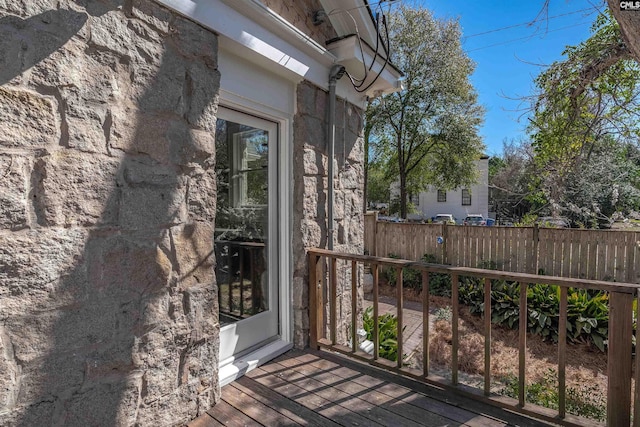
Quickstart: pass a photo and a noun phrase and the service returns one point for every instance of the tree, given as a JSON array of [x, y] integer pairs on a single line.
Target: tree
[[427, 134], [584, 115], [510, 179]]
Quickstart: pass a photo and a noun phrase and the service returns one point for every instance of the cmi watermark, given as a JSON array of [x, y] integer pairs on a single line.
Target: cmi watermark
[[630, 5]]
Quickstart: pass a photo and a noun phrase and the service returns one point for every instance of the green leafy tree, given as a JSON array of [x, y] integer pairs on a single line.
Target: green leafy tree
[[427, 134], [584, 116]]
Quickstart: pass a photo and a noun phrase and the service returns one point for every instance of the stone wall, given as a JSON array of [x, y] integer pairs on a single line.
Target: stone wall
[[300, 14], [108, 304], [310, 167]]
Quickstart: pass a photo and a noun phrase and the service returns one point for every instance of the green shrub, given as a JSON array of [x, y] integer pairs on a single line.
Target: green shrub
[[387, 333], [587, 310]]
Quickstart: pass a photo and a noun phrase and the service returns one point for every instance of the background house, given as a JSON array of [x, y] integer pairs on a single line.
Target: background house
[[459, 202], [131, 134]]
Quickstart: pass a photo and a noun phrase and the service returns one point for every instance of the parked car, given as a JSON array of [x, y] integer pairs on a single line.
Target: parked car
[[444, 218], [475, 220]]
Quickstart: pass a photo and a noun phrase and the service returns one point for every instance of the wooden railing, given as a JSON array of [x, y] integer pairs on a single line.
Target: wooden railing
[[323, 266]]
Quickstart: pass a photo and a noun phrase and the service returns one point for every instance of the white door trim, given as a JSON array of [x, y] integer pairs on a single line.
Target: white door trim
[[261, 104]]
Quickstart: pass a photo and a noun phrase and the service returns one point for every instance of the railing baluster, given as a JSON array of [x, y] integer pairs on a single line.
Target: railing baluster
[[487, 337], [522, 352], [241, 279], [376, 331], [454, 328], [562, 353], [619, 359], [636, 404], [333, 286], [399, 315], [425, 323], [354, 307], [232, 277]]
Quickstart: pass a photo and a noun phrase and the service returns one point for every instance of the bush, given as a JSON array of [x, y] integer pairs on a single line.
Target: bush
[[387, 333]]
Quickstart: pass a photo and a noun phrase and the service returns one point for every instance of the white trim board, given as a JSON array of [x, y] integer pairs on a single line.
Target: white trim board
[[230, 370]]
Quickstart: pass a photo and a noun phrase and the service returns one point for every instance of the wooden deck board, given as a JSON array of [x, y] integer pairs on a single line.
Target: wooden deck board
[[320, 389]]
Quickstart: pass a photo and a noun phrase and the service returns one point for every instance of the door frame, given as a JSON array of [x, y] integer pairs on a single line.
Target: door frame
[[244, 99], [237, 337]]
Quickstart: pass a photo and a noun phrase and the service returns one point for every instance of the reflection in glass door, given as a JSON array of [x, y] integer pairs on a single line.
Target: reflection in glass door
[[244, 239]]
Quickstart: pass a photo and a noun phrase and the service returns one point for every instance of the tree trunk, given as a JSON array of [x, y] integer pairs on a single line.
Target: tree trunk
[[403, 195], [629, 21]]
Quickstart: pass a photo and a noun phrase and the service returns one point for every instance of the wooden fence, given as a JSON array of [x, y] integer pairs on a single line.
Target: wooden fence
[[609, 255]]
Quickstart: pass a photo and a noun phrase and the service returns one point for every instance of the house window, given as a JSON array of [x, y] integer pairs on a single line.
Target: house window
[[442, 196], [415, 199], [466, 197]]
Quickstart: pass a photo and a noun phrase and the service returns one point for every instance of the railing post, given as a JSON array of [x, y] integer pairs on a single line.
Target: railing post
[[315, 302], [636, 405], [619, 359]]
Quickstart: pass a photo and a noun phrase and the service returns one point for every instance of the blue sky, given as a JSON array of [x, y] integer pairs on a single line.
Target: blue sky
[[507, 61]]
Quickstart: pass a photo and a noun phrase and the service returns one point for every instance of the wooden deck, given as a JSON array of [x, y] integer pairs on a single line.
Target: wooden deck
[[322, 389]]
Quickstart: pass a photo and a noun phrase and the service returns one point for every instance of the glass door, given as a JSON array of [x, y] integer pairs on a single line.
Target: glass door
[[246, 231]]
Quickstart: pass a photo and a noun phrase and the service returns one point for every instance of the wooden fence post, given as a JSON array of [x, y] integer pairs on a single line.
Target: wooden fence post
[[619, 359], [445, 255], [375, 234], [535, 255]]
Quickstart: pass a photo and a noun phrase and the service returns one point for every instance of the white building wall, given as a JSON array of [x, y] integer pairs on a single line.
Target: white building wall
[[429, 206]]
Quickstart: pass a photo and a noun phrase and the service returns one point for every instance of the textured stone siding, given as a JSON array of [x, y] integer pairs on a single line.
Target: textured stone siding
[[108, 304], [300, 15], [310, 167]]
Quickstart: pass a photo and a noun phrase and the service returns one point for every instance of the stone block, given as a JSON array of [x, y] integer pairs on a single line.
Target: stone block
[[110, 31], [152, 14], [33, 265], [126, 268], [300, 292], [144, 173], [27, 119], [194, 41], [144, 208], [13, 193], [105, 403], [306, 99], [10, 372], [312, 234], [76, 189], [27, 7], [194, 253], [162, 89], [201, 196], [311, 131], [314, 162], [204, 85]]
